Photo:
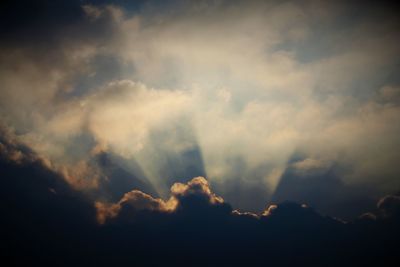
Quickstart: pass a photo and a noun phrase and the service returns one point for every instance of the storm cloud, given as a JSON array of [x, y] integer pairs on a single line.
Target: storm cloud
[[47, 222]]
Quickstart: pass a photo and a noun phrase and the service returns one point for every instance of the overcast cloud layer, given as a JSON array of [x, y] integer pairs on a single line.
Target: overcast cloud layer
[[270, 100]]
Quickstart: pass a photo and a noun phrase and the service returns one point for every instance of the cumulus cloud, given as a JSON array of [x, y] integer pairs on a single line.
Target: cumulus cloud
[[197, 186], [135, 201], [39, 209], [184, 197], [195, 198]]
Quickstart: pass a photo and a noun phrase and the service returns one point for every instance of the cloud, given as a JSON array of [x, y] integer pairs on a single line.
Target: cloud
[[195, 196], [389, 207], [107, 111], [241, 87], [133, 201], [138, 108], [278, 104], [39, 209], [198, 186]]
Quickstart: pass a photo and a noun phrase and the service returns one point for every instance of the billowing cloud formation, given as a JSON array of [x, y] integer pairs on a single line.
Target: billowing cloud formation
[[136, 201], [242, 93], [45, 221]]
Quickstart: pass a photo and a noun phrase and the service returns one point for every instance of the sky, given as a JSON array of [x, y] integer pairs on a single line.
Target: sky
[[130, 106]]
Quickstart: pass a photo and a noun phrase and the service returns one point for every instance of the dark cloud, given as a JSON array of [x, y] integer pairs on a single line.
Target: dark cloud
[[42, 217], [202, 230], [389, 207], [44, 221]]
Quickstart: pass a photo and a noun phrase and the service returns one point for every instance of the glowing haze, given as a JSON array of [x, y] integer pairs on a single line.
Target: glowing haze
[[258, 96]]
